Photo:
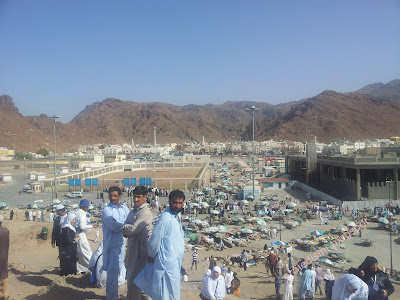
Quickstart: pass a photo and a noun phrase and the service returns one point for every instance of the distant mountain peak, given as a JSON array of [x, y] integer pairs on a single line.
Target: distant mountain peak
[[7, 103], [389, 91]]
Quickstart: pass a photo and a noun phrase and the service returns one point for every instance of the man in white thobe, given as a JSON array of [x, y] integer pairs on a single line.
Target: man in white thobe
[[84, 252]]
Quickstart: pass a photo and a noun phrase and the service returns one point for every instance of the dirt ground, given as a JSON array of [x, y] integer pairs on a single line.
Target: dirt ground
[[33, 263]]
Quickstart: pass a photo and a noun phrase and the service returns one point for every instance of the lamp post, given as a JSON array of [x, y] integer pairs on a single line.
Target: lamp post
[[14, 135], [253, 109], [390, 232], [54, 117], [31, 130], [280, 225]]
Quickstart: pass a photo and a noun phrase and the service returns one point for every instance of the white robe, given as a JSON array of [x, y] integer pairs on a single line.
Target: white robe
[[84, 251], [101, 275], [288, 291]]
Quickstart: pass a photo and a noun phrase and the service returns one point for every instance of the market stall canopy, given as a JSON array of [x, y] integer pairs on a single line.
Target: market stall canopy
[[246, 230], [326, 261], [279, 243], [211, 229], [387, 213], [342, 228], [316, 232], [383, 220], [261, 222]]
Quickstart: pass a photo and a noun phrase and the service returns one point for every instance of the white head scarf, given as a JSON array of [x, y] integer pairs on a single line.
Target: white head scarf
[[67, 221], [328, 275], [214, 288], [346, 283]]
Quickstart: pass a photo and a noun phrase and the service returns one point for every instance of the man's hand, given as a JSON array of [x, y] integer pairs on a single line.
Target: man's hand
[[384, 294], [53, 244]]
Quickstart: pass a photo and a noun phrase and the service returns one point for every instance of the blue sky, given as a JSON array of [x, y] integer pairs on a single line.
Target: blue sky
[[56, 57]]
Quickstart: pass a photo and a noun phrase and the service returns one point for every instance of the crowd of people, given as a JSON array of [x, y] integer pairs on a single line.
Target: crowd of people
[[367, 282], [151, 267]]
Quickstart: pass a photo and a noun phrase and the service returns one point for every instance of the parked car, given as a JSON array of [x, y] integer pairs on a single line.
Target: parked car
[[75, 195]]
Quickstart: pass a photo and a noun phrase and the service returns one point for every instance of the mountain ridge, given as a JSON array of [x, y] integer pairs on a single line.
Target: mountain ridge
[[329, 115]]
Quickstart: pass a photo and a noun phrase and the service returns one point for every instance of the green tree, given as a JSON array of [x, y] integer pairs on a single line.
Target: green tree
[[42, 152], [22, 155]]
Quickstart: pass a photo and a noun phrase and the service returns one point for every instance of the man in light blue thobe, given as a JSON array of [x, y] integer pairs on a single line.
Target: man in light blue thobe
[[113, 218], [160, 278]]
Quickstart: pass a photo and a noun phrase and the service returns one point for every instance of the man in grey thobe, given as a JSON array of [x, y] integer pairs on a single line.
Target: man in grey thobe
[[136, 229]]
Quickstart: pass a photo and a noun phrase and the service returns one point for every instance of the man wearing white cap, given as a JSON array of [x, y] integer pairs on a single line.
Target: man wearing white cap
[[55, 236], [84, 252]]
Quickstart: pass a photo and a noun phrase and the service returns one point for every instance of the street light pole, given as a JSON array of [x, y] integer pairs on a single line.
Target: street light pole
[[54, 117], [14, 135], [390, 232], [31, 130], [253, 109]]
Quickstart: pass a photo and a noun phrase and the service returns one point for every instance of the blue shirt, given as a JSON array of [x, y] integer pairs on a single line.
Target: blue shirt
[[161, 279], [113, 218]]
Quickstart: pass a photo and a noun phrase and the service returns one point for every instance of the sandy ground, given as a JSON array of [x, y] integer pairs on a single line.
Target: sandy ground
[[33, 263]]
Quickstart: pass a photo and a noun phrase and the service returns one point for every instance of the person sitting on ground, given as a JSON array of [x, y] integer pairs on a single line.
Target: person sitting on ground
[[235, 286]]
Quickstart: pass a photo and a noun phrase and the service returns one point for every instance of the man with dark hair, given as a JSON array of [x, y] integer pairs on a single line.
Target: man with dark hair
[[113, 218], [136, 229], [160, 278], [4, 248]]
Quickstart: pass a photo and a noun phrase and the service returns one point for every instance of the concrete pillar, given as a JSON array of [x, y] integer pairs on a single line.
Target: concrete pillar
[[395, 183], [186, 185], [343, 172], [170, 185], [358, 184]]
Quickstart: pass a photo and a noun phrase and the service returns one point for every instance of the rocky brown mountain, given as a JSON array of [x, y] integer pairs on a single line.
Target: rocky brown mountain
[[329, 116], [388, 91]]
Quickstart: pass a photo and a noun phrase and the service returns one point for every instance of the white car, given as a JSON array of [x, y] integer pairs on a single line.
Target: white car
[[75, 195]]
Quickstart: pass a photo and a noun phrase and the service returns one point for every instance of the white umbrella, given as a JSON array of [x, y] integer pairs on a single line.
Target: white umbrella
[[351, 224], [38, 201], [204, 204], [191, 204], [215, 212], [56, 201], [245, 202], [261, 222], [292, 204], [246, 230]]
